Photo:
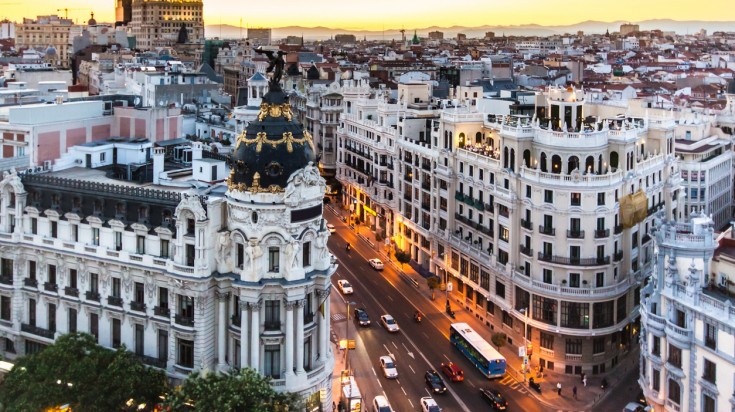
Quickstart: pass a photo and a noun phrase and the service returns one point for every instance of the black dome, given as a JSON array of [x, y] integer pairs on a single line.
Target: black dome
[[270, 149]]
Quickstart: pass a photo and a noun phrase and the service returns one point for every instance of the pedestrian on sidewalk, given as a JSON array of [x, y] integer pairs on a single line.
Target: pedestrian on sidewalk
[[584, 381], [558, 388], [574, 391]]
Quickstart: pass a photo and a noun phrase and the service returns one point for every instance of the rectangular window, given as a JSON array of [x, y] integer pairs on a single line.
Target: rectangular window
[[273, 259], [34, 225], [116, 333], [186, 307], [544, 309], [75, 233], [656, 347], [118, 241], [601, 199], [575, 315], [139, 293], [710, 371], [708, 403], [548, 196], [54, 229], [500, 289], [547, 341], [32, 269], [72, 320], [528, 191], [5, 312], [474, 272], [272, 314], [163, 297], [598, 345], [574, 280], [522, 300], [574, 346], [164, 248], [674, 356], [306, 254], [139, 339], [140, 248], [240, 255], [185, 353], [163, 345], [95, 236], [599, 279], [51, 274], [656, 380], [710, 336], [576, 199], [272, 361], [507, 319], [116, 287], [94, 282], [32, 312], [94, 326], [674, 391], [484, 280], [602, 313], [548, 276], [622, 309]]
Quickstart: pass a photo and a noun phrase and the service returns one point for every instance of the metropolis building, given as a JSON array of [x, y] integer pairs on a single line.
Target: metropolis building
[[540, 221], [188, 272]]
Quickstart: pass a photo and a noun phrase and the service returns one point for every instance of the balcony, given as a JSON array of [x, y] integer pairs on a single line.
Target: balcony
[[95, 296], [69, 291], [574, 261], [44, 333], [526, 224], [602, 233], [114, 301], [30, 282], [50, 287], [184, 320], [575, 234], [618, 229], [137, 306], [547, 230], [151, 361], [526, 251], [503, 211], [162, 311], [489, 207], [618, 256], [6, 279], [273, 325]]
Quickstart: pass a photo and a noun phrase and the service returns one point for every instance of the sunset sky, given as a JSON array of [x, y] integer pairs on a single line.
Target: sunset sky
[[391, 14]]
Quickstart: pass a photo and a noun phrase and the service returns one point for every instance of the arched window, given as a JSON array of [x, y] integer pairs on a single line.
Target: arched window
[[556, 164], [527, 158], [513, 159], [478, 138], [589, 164], [461, 140], [543, 162], [599, 164], [572, 164], [505, 158], [491, 142], [614, 160]]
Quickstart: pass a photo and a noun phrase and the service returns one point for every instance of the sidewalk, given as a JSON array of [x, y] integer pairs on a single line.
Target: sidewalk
[[588, 398]]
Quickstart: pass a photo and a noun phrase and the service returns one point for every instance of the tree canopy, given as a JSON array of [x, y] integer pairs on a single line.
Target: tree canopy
[[76, 371], [246, 391]]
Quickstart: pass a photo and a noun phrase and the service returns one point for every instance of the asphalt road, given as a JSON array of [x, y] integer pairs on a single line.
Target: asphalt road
[[417, 347]]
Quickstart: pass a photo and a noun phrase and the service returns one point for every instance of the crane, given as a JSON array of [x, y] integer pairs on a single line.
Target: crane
[[66, 11]]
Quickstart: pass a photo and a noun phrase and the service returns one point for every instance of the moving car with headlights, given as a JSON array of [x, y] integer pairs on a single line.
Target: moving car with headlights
[[388, 367], [434, 382], [376, 263], [389, 323], [331, 228], [494, 398], [361, 317], [453, 372], [344, 287]]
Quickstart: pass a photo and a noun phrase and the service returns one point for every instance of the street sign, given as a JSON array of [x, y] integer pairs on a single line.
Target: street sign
[[525, 361], [449, 286], [521, 351]]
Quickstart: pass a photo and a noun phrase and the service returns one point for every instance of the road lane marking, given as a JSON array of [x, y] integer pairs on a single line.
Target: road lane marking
[[374, 373], [394, 344], [390, 298], [447, 358], [472, 384], [411, 367], [409, 401], [404, 391]]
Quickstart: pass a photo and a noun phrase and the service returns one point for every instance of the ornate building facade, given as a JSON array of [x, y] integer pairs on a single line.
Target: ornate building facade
[[157, 23], [220, 277]]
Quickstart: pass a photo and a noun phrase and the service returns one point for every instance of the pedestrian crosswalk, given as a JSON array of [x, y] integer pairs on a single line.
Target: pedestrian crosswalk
[[338, 316], [513, 384]]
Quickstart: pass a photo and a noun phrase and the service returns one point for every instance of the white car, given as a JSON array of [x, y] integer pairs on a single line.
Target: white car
[[389, 368], [330, 228], [376, 263], [345, 287], [389, 323], [428, 404], [380, 404]]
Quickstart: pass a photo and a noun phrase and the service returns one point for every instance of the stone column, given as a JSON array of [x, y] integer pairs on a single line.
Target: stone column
[[244, 321], [323, 324], [222, 329], [255, 335], [300, 336], [289, 336]]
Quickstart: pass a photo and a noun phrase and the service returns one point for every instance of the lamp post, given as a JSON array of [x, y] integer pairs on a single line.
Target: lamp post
[[525, 342], [347, 336]]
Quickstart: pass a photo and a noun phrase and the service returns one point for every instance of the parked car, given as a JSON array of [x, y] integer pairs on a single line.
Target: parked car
[[434, 382], [361, 317], [330, 228], [453, 372], [389, 323], [389, 368], [428, 404], [376, 263], [494, 398], [344, 287], [380, 404], [636, 407]]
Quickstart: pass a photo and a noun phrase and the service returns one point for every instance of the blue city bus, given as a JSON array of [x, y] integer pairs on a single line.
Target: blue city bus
[[486, 358]]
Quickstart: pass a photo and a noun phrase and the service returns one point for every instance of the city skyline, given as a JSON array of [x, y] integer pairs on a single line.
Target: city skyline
[[378, 15]]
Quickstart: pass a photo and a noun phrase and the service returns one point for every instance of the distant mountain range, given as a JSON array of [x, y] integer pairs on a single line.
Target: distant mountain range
[[225, 31]]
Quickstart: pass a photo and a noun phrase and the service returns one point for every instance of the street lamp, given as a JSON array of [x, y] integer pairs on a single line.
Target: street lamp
[[347, 336], [525, 342]]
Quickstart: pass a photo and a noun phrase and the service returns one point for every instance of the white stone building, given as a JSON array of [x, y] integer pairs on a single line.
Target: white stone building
[[214, 278], [156, 23]]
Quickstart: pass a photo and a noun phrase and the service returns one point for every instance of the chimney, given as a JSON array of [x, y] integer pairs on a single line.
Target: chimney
[[158, 157], [59, 99], [196, 150]]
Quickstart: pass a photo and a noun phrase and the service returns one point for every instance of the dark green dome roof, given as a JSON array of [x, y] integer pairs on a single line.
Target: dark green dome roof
[[270, 149]]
